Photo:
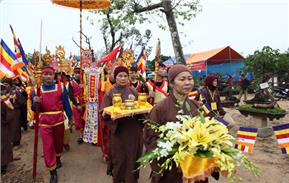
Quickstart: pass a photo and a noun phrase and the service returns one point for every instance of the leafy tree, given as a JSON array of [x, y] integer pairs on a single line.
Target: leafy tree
[[266, 63], [172, 10], [117, 25], [120, 18]]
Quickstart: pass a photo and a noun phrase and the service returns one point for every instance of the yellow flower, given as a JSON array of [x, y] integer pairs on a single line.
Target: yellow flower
[[201, 135]]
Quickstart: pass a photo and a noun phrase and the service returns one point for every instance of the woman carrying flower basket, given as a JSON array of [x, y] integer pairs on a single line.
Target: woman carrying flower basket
[[125, 134], [182, 82], [182, 145]]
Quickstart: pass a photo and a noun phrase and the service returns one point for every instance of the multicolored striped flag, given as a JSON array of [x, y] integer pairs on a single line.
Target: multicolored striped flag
[[18, 63], [205, 105], [246, 138], [27, 62], [140, 63], [193, 94], [221, 120], [7, 61], [5, 67], [282, 136]]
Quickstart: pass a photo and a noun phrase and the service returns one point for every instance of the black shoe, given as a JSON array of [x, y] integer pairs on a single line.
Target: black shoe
[[66, 147], [53, 176], [25, 127], [79, 140], [3, 169], [58, 163], [17, 143], [109, 169], [109, 173], [216, 175]]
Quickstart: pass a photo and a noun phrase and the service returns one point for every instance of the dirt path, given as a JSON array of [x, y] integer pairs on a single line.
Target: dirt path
[[84, 162]]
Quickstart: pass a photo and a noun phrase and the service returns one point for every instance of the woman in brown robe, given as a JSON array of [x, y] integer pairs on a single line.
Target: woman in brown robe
[[6, 146], [211, 94], [125, 134], [181, 81], [14, 116]]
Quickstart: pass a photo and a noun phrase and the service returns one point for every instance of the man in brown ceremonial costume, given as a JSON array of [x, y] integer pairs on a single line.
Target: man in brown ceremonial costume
[[125, 134], [181, 81]]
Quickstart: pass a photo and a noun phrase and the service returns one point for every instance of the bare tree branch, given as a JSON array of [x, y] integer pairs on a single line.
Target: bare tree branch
[[119, 39], [139, 9], [112, 31], [164, 11], [105, 41], [176, 5], [87, 40], [76, 44]]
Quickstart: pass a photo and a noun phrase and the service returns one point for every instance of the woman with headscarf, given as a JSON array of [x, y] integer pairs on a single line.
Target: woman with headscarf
[[212, 97], [125, 134], [181, 82], [15, 115]]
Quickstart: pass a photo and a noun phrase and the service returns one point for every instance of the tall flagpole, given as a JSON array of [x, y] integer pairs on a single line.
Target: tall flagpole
[[38, 76], [80, 40], [80, 46]]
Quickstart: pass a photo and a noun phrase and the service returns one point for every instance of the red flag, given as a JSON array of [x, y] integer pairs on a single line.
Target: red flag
[[111, 56]]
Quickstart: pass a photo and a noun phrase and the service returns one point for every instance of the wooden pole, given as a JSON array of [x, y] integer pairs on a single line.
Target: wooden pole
[[38, 76], [157, 60], [80, 46], [80, 42]]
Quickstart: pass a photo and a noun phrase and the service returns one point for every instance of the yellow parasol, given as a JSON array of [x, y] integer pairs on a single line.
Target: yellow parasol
[[83, 4], [86, 4]]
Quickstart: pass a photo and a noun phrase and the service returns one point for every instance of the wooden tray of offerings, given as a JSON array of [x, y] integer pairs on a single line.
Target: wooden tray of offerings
[[121, 112]]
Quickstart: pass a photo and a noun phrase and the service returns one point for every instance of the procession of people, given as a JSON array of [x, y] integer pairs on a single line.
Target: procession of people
[[171, 117], [63, 104]]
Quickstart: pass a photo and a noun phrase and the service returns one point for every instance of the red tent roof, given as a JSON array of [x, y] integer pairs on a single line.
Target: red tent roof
[[216, 56]]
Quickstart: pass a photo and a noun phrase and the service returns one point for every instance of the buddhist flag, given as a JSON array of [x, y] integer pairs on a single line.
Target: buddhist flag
[[5, 67], [140, 63], [19, 61], [282, 136], [27, 62], [205, 105], [246, 138], [7, 61], [206, 108], [221, 120], [193, 94]]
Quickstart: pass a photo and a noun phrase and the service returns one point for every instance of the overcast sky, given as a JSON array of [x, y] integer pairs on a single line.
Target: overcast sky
[[245, 25]]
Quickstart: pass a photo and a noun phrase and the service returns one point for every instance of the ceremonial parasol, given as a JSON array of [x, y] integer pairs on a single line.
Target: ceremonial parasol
[[83, 4]]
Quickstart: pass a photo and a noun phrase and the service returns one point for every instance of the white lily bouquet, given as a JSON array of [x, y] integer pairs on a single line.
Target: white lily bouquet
[[198, 146]]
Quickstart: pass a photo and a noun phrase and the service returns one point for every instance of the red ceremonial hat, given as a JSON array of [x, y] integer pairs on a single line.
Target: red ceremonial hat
[[47, 70], [76, 70]]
